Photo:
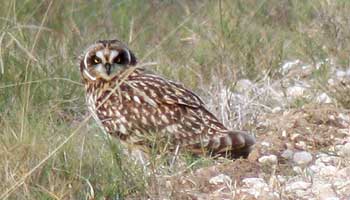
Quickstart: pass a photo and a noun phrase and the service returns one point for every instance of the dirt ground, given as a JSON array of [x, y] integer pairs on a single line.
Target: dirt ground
[[272, 171]]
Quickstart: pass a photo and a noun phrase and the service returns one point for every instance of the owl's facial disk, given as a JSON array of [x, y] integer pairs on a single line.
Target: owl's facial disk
[[105, 59], [106, 63]]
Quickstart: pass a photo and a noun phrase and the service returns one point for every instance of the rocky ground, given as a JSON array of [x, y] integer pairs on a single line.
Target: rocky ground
[[302, 152]]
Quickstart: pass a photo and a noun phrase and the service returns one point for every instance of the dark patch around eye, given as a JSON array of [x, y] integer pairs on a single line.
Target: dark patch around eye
[[95, 60], [122, 58]]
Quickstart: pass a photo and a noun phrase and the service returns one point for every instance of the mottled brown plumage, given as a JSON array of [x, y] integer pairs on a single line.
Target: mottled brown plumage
[[132, 105]]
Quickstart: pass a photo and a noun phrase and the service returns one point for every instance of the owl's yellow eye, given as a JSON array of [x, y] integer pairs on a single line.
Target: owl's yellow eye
[[96, 60], [118, 60]]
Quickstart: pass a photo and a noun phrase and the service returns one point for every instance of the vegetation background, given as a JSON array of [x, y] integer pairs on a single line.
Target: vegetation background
[[49, 150]]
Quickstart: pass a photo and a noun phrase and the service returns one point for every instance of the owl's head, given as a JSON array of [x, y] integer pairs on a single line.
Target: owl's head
[[104, 59]]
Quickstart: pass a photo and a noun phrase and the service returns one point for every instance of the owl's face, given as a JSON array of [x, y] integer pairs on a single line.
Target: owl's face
[[104, 59]]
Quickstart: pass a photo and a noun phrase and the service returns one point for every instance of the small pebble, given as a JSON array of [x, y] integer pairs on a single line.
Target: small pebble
[[221, 178], [345, 150], [289, 65], [298, 185], [344, 173], [340, 73], [324, 191], [323, 98], [328, 171], [287, 154], [302, 158], [276, 109], [270, 159], [244, 85], [255, 186], [266, 144], [301, 145], [294, 136], [255, 182], [295, 91], [298, 169]]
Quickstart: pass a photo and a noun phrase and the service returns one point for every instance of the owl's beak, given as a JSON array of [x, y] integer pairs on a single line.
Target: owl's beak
[[108, 68]]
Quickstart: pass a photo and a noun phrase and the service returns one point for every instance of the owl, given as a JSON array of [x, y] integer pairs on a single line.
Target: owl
[[132, 104]]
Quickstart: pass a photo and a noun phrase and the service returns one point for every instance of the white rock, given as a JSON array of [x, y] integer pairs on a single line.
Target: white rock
[[302, 158], [255, 186], [330, 198], [317, 167], [284, 133], [243, 85], [270, 159], [298, 185], [287, 154], [295, 91], [328, 171], [294, 136], [344, 172], [325, 158], [276, 109], [331, 82], [221, 178], [305, 67], [323, 98], [324, 191], [281, 179], [340, 73], [298, 169], [289, 65], [345, 150], [266, 144], [342, 187], [344, 119], [301, 145], [255, 182]]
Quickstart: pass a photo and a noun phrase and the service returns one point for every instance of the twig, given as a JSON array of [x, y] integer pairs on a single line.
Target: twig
[[40, 81]]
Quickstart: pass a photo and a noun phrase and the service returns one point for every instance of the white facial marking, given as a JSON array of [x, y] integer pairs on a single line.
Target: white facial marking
[[100, 55], [85, 60], [89, 75], [113, 55], [86, 70], [129, 56], [100, 68]]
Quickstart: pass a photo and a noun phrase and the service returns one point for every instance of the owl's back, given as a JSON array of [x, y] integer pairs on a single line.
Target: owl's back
[[143, 105]]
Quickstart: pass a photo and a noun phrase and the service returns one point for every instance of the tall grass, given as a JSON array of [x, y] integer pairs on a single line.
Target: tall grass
[[195, 42]]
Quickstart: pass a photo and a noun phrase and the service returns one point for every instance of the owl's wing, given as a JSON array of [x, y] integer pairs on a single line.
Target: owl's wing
[[164, 91]]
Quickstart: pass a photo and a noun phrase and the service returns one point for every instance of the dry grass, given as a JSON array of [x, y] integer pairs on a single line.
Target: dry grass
[[48, 151]]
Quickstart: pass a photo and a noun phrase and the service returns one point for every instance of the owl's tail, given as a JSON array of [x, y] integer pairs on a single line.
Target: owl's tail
[[233, 144]]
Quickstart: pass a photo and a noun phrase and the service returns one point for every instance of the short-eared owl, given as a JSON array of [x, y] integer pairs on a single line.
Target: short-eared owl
[[131, 104]]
